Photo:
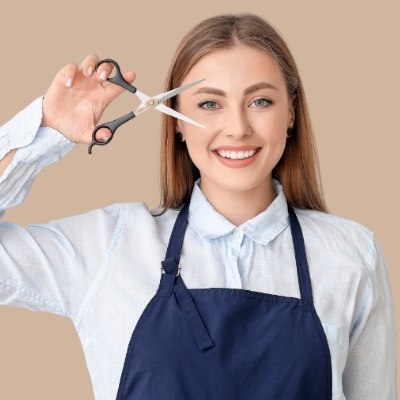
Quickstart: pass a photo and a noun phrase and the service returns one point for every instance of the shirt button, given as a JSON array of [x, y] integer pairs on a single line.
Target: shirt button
[[235, 233]]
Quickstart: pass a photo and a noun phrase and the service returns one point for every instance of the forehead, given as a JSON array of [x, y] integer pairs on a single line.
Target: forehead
[[236, 67]]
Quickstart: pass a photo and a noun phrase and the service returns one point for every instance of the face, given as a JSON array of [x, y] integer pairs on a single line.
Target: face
[[244, 106]]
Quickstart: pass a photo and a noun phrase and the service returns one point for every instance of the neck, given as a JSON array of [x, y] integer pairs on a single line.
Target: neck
[[239, 206]]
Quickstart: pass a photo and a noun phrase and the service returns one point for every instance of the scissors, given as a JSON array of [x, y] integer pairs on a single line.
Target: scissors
[[146, 104]]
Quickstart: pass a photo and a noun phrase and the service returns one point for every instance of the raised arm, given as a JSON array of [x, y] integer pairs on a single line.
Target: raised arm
[[49, 127], [49, 267]]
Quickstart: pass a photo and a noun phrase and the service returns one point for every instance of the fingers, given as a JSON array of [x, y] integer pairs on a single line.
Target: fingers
[[102, 135], [104, 70], [88, 64], [87, 68], [67, 74], [112, 91]]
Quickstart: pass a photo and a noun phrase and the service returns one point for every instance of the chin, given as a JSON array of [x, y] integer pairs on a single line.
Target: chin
[[240, 184]]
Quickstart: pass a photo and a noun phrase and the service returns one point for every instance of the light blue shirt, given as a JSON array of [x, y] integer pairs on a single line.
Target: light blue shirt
[[102, 267]]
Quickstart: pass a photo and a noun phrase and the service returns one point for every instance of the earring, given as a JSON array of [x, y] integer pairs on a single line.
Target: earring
[[290, 132], [182, 139]]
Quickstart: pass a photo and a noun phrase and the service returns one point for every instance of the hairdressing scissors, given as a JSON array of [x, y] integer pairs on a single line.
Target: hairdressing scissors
[[146, 104]]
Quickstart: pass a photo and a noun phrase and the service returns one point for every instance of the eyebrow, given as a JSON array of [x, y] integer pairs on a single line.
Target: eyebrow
[[250, 89]]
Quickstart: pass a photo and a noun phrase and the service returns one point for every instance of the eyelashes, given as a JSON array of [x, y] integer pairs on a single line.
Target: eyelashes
[[201, 105]]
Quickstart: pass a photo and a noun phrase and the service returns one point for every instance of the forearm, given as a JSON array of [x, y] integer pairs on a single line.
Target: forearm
[[26, 147]]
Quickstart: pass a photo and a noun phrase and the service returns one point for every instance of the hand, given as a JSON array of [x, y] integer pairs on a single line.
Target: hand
[[75, 110]]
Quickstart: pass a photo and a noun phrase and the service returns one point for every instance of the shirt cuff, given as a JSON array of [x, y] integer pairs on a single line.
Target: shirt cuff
[[34, 152], [21, 129]]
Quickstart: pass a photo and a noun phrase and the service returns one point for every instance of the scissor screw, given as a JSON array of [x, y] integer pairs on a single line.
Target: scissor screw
[[151, 102]]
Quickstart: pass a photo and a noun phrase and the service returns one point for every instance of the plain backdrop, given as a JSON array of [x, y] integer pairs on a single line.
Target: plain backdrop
[[348, 57]]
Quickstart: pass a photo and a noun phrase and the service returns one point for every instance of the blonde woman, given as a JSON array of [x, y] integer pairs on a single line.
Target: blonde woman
[[241, 285]]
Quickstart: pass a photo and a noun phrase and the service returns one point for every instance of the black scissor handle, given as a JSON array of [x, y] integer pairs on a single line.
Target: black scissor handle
[[118, 79], [112, 126]]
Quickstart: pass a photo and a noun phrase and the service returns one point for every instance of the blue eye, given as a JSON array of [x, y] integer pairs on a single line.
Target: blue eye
[[208, 102], [211, 105], [264, 102]]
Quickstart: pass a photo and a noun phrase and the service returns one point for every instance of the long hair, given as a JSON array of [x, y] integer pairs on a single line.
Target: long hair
[[298, 169]]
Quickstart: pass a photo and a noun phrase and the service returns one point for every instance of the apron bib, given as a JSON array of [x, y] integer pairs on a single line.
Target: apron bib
[[221, 343]]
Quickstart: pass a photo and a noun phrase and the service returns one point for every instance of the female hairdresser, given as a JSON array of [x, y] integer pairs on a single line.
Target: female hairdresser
[[240, 285]]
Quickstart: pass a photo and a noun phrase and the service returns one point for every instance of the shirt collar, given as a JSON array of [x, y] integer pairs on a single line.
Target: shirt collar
[[262, 228]]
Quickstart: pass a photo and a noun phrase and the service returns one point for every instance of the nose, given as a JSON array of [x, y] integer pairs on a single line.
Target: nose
[[237, 123]]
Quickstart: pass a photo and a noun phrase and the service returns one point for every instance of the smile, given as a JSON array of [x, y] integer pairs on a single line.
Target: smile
[[236, 155], [237, 159]]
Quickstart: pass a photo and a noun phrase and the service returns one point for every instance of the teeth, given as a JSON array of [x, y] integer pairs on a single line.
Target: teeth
[[236, 155]]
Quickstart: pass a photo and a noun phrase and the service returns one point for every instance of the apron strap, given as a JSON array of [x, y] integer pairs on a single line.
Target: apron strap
[[171, 281], [193, 317], [301, 261], [178, 233]]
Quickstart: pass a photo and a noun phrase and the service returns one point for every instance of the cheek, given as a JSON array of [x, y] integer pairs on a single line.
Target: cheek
[[273, 134], [278, 144], [276, 138], [198, 145], [271, 121]]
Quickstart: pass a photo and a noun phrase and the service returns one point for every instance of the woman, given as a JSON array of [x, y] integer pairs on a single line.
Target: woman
[[262, 294]]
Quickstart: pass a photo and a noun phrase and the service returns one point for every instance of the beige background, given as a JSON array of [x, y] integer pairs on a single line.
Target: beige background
[[347, 54]]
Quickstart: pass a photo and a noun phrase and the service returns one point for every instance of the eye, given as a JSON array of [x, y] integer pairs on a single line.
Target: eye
[[262, 102], [210, 105]]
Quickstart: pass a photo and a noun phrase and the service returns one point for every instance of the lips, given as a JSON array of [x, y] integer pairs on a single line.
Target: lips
[[238, 162], [236, 148], [237, 152]]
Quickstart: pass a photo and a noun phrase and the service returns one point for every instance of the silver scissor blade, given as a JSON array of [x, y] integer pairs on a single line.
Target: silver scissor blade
[[143, 97], [165, 96], [163, 108]]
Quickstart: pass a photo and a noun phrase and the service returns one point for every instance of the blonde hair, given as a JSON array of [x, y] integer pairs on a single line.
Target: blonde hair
[[298, 168]]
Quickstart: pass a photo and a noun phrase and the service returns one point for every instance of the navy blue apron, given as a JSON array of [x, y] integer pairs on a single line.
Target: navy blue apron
[[227, 344]]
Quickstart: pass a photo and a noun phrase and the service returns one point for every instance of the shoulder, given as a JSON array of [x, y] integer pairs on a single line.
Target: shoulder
[[139, 214], [341, 237], [143, 211], [133, 221], [332, 223], [135, 209]]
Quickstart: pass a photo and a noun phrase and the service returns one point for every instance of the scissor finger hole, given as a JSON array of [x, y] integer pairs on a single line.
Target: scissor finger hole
[[113, 71], [107, 66], [110, 77], [103, 135]]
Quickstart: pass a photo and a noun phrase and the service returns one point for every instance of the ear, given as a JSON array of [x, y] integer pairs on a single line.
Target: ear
[[178, 126]]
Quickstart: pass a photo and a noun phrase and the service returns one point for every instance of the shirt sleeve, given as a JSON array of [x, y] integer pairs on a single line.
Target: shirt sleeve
[[37, 147], [46, 267], [52, 267], [370, 370]]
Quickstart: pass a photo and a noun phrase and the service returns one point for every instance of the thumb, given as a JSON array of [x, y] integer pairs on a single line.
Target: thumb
[[112, 91]]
